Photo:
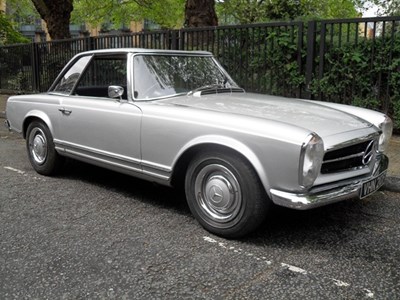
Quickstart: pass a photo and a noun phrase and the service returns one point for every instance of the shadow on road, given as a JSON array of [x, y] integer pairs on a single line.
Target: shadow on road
[[134, 188], [332, 228]]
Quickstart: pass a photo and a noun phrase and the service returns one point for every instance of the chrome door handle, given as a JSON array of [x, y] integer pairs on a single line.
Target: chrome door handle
[[65, 111]]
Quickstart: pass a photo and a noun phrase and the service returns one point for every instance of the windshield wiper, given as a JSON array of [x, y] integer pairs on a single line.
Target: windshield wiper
[[217, 88], [207, 87]]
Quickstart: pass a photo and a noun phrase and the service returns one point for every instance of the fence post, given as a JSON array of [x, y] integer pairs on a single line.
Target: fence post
[[181, 40], [321, 55], [90, 43], [0, 72], [310, 63], [300, 36], [174, 39], [142, 40], [36, 86]]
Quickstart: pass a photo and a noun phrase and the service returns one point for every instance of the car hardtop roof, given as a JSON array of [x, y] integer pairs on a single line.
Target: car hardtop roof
[[141, 50]]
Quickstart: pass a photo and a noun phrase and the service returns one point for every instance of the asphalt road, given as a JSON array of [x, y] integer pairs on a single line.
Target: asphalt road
[[94, 234]]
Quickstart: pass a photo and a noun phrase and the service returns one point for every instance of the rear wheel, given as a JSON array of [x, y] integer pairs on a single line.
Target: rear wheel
[[41, 151], [225, 194]]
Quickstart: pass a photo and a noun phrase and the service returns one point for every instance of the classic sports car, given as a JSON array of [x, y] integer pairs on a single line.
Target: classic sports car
[[177, 118]]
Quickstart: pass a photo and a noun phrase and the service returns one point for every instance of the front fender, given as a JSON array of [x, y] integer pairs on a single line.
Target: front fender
[[233, 145]]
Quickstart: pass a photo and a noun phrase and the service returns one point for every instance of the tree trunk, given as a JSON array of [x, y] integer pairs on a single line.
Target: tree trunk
[[200, 13], [56, 14]]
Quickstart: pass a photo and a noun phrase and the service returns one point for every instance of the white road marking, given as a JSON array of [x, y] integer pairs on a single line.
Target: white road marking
[[208, 239], [340, 283], [235, 250], [294, 269], [369, 293], [23, 173], [15, 170]]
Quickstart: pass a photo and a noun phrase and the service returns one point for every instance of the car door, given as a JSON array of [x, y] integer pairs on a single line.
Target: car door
[[96, 128]]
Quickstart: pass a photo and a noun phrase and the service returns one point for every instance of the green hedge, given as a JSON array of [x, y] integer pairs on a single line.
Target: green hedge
[[366, 74]]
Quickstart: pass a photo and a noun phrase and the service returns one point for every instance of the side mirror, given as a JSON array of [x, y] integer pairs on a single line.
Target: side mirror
[[115, 91]]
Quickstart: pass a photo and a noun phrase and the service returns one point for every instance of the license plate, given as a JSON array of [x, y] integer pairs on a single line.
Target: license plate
[[372, 185]]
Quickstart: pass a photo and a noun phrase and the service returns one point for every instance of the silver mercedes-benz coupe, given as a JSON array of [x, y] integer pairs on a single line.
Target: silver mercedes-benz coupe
[[177, 118]]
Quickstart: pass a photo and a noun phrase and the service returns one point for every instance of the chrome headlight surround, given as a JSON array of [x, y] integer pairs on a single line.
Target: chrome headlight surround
[[311, 156], [386, 126]]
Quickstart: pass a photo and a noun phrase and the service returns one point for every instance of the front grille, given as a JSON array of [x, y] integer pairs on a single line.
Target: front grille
[[350, 157]]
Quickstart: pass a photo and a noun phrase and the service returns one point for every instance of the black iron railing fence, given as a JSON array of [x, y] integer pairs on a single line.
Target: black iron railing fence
[[352, 61]]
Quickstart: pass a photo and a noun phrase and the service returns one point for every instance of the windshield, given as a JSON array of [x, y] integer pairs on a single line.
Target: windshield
[[158, 76]]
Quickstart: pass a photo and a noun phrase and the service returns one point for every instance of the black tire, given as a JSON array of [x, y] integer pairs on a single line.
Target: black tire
[[41, 151], [231, 201]]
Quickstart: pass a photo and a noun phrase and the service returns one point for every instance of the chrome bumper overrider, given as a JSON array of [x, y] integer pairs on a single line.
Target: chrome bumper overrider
[[343, 191]]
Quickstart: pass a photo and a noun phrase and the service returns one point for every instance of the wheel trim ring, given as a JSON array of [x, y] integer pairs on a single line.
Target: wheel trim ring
[[218, 193], [38, 146]]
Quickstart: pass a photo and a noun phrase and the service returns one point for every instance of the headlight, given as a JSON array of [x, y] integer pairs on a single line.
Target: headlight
[[387, 127], [312, 152]]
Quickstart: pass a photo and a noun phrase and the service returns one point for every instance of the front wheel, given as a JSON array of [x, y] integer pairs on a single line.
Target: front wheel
[[225, 194], [41, 152]]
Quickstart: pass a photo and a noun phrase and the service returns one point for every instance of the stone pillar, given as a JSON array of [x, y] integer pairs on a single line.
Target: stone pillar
[[3, 6]]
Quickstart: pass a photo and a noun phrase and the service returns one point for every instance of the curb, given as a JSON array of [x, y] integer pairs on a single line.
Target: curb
[[392, 184]]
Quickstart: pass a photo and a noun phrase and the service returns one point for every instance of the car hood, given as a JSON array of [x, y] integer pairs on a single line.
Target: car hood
[[302, 113]]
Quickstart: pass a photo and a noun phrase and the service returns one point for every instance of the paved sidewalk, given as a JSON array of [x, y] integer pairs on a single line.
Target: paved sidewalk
[[392, 182]]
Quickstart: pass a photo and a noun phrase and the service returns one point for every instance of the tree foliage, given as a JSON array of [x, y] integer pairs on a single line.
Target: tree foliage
[[198, 13], [56, 14], [191, 13], [364, 74], [117, 13], [8, 34], [384, 7], [252, 11], [22, 12]]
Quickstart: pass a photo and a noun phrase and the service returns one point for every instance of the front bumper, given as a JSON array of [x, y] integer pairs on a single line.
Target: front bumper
[[332, 193]]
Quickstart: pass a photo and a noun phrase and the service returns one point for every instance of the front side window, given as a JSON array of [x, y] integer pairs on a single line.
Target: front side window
[[157, 76], [68, 81], [102, 72]]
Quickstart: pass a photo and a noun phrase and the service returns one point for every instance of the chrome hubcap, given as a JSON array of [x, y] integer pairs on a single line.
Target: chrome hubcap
[[218, 193], [38, 145]]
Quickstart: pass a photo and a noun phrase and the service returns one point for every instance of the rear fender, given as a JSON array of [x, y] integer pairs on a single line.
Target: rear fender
[[36, 115]]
